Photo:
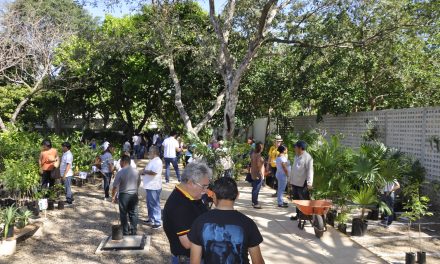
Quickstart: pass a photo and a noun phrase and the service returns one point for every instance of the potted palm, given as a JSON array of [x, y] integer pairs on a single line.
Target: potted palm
[[8, 244], [364, 198]]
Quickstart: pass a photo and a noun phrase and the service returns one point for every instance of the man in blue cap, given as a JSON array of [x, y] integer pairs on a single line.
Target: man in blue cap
[[301, 175]]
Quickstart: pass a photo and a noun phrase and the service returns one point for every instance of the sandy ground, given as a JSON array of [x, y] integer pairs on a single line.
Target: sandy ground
[[72, 235], [391, 243]]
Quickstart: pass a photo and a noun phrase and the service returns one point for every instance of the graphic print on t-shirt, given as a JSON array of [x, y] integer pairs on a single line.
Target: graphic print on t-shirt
[[223, 244]]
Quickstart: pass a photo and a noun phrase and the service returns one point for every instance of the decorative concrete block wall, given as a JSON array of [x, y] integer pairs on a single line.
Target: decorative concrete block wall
[[406, 129]]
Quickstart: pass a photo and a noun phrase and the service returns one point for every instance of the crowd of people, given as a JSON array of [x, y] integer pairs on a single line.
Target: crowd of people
[[196, 234]]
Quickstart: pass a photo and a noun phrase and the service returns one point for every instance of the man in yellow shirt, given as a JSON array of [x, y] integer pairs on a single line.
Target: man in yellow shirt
[[273, 154]]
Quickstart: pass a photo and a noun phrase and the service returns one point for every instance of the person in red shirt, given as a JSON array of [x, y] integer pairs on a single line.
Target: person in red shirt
[[47, 162]]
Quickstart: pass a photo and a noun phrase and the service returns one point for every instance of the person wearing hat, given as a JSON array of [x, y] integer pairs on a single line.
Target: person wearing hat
[[273, 155], [66, 171], [301, 175]]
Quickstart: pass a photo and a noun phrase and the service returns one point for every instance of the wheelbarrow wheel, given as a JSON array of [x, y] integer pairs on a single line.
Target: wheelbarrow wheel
[[318, 224]]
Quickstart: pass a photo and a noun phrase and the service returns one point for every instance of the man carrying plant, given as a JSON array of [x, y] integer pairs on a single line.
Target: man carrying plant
[[388, 197], [66, 170], [127, 181], [301, 175]]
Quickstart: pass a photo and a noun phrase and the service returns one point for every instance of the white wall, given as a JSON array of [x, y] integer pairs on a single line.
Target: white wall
[[404, 129]]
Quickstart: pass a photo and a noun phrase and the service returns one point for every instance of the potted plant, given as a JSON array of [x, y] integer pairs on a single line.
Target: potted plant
[[364, 198], [51, 201], [8, 215], [342, 219], [417, 207], [23, 218]]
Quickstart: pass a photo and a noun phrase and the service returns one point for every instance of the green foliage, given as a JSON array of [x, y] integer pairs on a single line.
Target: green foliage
[[8, 218], [365, 197], [20, 176], [342, 217], [237, 152], [23, 218]]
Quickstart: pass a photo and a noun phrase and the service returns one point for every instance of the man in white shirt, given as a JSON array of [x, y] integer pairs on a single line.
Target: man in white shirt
[[66, 170], [155, 137], [301, 175], [171, 147], [136, 145], [152, 179], [388, 196], [105, 145]]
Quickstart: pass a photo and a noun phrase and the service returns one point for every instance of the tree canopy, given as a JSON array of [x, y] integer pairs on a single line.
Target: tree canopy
[[191, 69]]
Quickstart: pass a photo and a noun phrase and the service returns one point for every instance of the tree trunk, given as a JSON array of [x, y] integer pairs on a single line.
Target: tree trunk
[[2, 125]]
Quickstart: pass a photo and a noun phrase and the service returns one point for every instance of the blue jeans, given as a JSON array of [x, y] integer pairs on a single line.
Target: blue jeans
[[136, 149], [67, 187], [153, 206], [389, 200], [256, 186], [107, 180], [128, 210], [167, 168], [175, 260], [282, 183]]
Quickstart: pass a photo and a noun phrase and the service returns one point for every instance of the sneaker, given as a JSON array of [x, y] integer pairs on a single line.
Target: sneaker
[[148, 222], [283, 205], [155, 227], [294, 218], [257, 206]]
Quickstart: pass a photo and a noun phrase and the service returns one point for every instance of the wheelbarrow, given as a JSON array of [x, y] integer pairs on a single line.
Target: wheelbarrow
[[313, 211]]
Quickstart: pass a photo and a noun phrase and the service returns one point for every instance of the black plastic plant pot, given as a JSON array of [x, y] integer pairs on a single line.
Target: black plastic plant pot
[[60, 205], [359, 227], [116, 232], [50, 205], [421, 257], [374, 215], [410, 258], [342, 228], [330, 218], [10, 231], [36, 210]]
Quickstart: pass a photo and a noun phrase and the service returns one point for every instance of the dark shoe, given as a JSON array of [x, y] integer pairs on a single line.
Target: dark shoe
[[274, 195], [283, 205], [257, 206], [155, 227], [294, 218], [148, 222]]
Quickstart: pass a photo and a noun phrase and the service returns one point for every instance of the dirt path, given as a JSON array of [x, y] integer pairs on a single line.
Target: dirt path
[[73, 234]]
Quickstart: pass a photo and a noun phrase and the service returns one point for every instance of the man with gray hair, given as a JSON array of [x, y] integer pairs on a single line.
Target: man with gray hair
[[183, 206]]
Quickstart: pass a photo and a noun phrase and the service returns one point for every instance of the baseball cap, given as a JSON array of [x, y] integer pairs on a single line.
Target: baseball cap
[[301, 144]]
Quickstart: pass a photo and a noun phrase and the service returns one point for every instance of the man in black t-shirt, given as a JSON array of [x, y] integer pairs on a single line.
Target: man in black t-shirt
[[183, 206], [223, 235]]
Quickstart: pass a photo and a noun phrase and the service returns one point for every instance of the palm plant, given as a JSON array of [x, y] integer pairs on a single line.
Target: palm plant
[[366, 170], [365, 197]]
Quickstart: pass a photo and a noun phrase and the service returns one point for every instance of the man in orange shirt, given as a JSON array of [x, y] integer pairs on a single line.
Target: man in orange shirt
[[47, 160]]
